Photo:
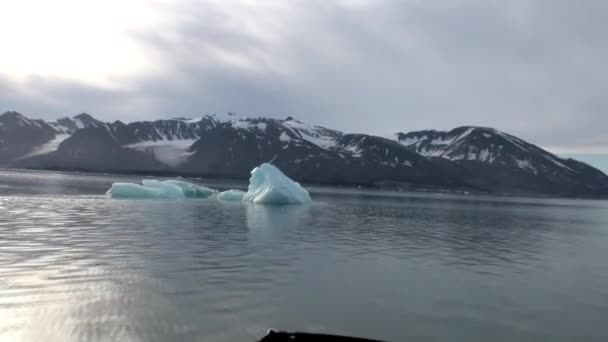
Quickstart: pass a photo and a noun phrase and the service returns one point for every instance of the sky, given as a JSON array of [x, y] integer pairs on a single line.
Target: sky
[[535, 69]]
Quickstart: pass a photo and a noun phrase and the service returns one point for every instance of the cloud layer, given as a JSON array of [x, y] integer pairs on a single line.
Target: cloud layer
[[532, 68]]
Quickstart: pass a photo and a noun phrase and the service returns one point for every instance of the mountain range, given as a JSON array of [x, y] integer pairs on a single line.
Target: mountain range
[[226, 145]]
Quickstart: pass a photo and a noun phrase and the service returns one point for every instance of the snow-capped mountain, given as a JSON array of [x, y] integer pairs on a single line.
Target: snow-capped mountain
[[229, 145], [20, 135], [485, 145], [501, 161], [69, 125], [311, 153], [170, 140], [63, 129]]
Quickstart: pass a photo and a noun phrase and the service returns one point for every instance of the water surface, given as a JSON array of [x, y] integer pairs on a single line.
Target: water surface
[[78, 266]]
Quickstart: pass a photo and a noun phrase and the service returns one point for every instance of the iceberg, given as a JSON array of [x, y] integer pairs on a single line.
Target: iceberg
[[166, 190], [231, 195], [192, 190], [268, 185], [130, 190], [151, 188]]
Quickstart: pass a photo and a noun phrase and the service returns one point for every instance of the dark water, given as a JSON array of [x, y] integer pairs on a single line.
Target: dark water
[[77, 266]]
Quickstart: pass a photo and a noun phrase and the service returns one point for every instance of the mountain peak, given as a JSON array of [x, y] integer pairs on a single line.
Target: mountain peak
[[223, 117], [14, 118], [83, 116], [86, 119], [483, 145], [12, 114], [71, 124]]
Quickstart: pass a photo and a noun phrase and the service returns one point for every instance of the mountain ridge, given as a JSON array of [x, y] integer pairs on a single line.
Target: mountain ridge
[[487, 153], [467, 158]]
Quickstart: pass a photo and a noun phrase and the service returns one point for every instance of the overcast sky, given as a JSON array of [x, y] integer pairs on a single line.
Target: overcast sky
[[536, 69]]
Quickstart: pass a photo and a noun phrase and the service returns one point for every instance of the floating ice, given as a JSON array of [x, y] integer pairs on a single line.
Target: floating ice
[[192, 190], [166, 190], [231, 195], [268, 185], [169, 189], [130, 190]]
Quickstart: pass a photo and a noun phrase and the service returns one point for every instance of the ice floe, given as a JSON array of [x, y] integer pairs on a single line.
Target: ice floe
[[267, 185]]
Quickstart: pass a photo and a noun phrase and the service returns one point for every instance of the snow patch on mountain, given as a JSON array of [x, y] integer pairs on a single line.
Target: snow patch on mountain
[[61, 129], [319, 136], [169, 152], [284, 137], [22, 121], [79, 124], [555, 161], [524, 164], [486, 156], [249, 125], [412, 140], [354, 149]]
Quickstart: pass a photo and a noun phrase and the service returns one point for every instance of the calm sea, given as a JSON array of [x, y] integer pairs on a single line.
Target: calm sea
[[78, 266]]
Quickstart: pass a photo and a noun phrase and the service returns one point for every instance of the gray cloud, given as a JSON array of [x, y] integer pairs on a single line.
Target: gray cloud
[[532, 68]]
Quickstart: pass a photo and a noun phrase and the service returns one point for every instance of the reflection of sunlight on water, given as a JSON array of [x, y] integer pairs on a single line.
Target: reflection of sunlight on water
[[268, 223], [54, 282], [48, 305]]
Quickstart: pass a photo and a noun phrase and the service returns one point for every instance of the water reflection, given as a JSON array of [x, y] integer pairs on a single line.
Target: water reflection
[[270, 223]]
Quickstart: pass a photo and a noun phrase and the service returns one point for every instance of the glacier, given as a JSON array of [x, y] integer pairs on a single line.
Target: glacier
[[268, 185]]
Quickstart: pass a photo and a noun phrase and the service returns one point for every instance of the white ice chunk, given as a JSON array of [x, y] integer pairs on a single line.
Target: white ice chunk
[[130, 190], [167, 190], [231, 195], [268, 185], [192, 190]]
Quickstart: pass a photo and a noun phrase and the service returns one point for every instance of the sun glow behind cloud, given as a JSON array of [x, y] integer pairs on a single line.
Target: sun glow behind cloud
[[83, 40], [533, 69]]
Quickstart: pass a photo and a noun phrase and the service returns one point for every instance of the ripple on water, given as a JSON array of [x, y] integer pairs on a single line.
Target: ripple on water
[[87, 268]]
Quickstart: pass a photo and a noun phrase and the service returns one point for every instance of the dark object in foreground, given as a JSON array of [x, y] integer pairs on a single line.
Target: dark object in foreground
[[274, 336]]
